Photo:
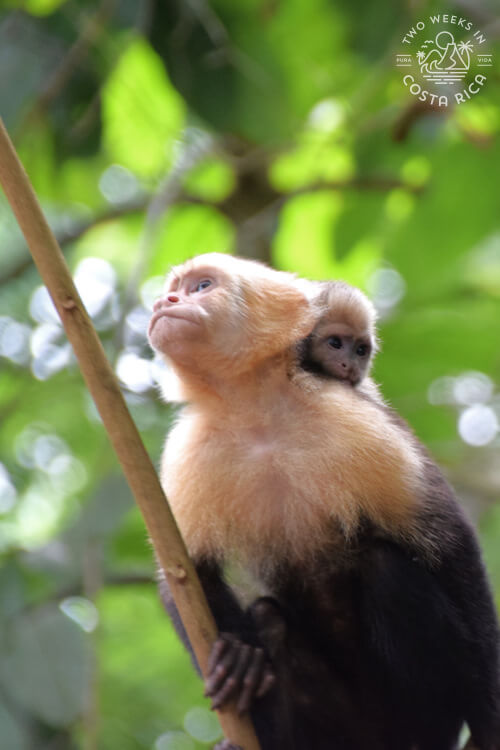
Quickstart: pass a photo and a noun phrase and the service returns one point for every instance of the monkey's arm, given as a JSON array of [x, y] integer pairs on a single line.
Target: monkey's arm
[[238, 668]]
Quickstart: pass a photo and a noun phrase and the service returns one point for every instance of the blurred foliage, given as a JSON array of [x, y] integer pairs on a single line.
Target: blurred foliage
[[157, 130]]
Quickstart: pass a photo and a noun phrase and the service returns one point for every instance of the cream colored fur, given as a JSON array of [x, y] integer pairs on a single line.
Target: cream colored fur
[[263, 463], [274, 471]]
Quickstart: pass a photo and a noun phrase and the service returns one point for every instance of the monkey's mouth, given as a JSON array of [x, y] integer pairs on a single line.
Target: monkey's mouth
[[174, 312], [341, 374]]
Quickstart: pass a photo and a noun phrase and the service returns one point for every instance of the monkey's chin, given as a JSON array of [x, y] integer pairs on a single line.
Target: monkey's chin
[[167, 333]]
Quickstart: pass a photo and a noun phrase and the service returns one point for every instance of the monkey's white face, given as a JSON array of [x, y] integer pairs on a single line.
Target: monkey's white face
[[186, 318], [222, 314]]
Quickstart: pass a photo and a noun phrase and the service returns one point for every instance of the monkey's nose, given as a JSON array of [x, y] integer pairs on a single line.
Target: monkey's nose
[[165, 301]]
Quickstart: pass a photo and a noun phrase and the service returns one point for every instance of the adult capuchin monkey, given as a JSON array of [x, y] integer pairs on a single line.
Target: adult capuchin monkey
[[371, 588]]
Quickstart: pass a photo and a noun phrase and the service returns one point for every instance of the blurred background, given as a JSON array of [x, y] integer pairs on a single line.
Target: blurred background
[[275, 129]]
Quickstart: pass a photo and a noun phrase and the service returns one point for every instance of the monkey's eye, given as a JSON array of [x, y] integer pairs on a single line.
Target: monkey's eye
[[335, 342], [201, 285], [362, 350]]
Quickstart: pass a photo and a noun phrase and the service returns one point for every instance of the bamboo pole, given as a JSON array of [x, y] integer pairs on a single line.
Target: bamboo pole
[[137, 466]]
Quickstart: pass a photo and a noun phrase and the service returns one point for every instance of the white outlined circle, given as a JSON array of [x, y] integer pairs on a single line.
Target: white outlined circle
[[445, 60]]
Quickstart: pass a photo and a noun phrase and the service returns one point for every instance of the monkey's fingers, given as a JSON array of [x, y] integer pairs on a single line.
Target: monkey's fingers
[[220, 646], [221, 663], [234, 678], [257, 681], [236, 671], [268, 680]]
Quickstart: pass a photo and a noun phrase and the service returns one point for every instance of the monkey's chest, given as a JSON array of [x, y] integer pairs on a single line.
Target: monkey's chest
[[238, 494], [261, 469], [278, 485]]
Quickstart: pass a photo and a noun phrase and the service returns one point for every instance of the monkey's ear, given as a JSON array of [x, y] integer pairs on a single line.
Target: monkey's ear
[[280, 313]]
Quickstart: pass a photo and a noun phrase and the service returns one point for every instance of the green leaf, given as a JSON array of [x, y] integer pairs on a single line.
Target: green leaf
[[212, 180], [315, 159], [189, 231], [42, 7], [304, 241], [143, 114], [143, 667]]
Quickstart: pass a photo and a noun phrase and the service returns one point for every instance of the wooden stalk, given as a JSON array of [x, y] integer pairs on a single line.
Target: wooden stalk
[[137, 466]]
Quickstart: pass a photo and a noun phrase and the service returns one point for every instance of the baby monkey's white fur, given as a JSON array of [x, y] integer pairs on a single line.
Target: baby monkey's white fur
[[262, 464]]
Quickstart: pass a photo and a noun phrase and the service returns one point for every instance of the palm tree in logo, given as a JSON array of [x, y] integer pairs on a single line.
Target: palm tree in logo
[[465, 48]]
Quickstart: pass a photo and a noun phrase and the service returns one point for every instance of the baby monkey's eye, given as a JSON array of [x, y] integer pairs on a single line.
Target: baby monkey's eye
[[362, 350], [335, 342], [201, 285]]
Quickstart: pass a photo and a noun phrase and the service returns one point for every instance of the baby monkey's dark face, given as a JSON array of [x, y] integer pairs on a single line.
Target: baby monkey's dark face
[[338, 353], [343, 343], [345, 357]]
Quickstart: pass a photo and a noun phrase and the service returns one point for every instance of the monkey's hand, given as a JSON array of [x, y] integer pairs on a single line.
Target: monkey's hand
[[237, 671]]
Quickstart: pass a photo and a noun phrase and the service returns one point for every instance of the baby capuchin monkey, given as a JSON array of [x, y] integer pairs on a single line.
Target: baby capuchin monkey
[[343, 343], [372, 625]]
